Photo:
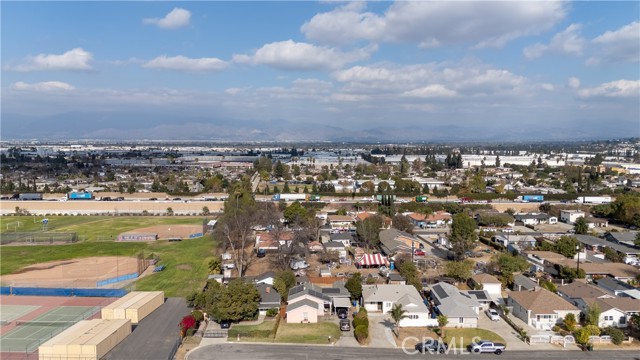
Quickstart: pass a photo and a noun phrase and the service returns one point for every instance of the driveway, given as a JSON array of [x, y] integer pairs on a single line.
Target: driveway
[[381, 331], [510, 336]]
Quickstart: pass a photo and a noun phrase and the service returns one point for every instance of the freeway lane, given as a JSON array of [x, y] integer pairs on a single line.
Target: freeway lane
[[308, 352]]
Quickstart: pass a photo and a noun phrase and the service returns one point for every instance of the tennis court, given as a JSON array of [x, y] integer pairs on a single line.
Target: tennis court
[[9, 313], [28, 335]]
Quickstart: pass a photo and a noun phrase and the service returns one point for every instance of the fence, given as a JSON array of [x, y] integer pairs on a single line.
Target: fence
[[605, 339], [116, 279], [174, 349], [38, 237], [34, 291]]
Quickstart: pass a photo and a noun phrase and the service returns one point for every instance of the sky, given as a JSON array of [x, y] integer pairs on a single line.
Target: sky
[[328, 70]]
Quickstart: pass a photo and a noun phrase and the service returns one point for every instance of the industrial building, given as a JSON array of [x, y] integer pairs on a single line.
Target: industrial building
[[86, 340], [134, 306]]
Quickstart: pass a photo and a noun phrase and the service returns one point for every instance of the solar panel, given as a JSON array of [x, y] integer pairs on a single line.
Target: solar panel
[[440, 292], [478, 294], [330, 291]]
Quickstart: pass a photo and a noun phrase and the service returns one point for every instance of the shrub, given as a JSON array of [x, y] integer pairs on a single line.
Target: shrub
[[361, 333], [187, 322], [357, 321], [593, 330], [198, 315], [617, 335], [555, 329], [272, 312], [582, 336]]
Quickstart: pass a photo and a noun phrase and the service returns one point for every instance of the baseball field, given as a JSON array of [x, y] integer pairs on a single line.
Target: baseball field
[[185, 261]]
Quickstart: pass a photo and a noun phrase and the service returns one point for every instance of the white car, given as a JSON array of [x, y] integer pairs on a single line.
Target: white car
[[493, 315]]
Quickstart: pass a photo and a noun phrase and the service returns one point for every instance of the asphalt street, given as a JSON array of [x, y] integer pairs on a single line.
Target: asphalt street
[[307, 352]]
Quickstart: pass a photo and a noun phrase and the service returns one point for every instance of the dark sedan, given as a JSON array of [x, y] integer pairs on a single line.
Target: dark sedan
[[431, 346]]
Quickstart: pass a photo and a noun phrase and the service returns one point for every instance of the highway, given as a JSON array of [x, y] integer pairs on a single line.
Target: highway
[[325, 352]]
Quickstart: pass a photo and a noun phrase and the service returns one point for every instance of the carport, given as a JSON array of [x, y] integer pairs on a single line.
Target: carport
[[341, 303]]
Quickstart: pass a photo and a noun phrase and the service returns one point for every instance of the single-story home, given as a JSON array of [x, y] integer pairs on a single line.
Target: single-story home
[[269, 298], [344, 237], [340, 222], [266, 277], [382, 298], [303, 311], [461, 309], [523, 283], [616, 311], [540, 308], [487, 282], [336, 246]]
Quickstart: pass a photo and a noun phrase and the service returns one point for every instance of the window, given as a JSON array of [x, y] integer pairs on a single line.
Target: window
[[412, 317], [460, 320], [622, 320], [305, 316], [608, 318]]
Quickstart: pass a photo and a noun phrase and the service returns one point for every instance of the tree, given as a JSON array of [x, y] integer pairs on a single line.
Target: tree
[[459, 270], [582, 336], [238, 301], [354, 285], [235, 225], [463, 234], [215, 265], [570, 273], [443, 320], [508, 263], [592, 315], [570, 321], [205, 210], [567, 246], [169, 211], [295, 213], [283, 282], [402, 223], [581, 226], [404, 165], [187, 323], [397, 313], [497, 160], [369, 230]]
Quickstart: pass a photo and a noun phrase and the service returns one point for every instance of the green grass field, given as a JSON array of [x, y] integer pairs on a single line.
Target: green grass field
[[307, 333], [92, 228], [185, 261]]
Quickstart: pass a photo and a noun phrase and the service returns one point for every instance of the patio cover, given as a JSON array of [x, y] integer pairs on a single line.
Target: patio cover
[[373, 260], [341, 303]]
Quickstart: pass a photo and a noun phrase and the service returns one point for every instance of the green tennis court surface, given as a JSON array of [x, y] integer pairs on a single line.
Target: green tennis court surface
[[28, 336], [9, 313]]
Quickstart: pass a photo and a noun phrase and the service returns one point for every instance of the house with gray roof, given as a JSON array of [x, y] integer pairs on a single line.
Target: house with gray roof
[[394, 241], [269, 298], [303, 311], [626, 238], [344, 237], [460, 308], [614, 286], [523, 283], [382, 298]]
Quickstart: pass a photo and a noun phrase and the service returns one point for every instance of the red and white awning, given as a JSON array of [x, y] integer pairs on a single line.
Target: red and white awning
[[373, 260]]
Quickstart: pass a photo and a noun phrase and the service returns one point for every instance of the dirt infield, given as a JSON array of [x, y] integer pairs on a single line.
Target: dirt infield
[[83, 272], [169, 231]]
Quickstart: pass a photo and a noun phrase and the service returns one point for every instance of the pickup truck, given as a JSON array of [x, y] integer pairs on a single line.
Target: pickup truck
[[485, 346]]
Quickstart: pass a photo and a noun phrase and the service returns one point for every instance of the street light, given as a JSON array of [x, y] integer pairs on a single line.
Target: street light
[[578, 269]]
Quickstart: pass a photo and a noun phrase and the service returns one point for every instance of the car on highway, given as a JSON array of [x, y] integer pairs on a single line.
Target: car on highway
[[493, 314], [431, 346]]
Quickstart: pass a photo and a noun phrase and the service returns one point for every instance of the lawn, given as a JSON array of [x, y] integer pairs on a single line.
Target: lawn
[[460, 338], [307, 333], [92, 228], [259, 332], [185, 261]]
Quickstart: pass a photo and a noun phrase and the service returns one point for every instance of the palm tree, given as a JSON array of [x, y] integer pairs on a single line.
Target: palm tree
[[443, 320], [397, 313]]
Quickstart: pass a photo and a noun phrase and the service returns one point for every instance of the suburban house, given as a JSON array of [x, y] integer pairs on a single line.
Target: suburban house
[[394, 241], [315, 246], [417, 219], [540, 308], [303, 311], [535, 218], [461, 309], [579, 293], [337, 247], [487, 283], [616, 311], [396, 279], [382, 298], [345, 238], [625, 238], [515, 242], [523, 283], [614, 286], [623, 243], [438, 219], [266, 277], [591, 242], [269, 298], [570, 216], [340, 222], [270, 241], [538, 259]]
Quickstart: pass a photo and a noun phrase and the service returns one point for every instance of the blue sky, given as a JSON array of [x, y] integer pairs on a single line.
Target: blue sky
[[273, 70]]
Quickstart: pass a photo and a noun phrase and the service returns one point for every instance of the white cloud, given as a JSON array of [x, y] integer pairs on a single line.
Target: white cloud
[[567, 42], [291, 55], [431, 91], [622, 45], [614, 89], [46, 86], [74, 59], [547, 87], [573, 83], [178, 17], [182, 63], [437, 23]]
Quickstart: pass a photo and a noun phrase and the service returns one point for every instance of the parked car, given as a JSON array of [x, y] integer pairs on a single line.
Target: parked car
[[225, 324], [431, 346], [486, 346], [493, 315], [419, 252], [261, 253], [343, 313], [345, 325]]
